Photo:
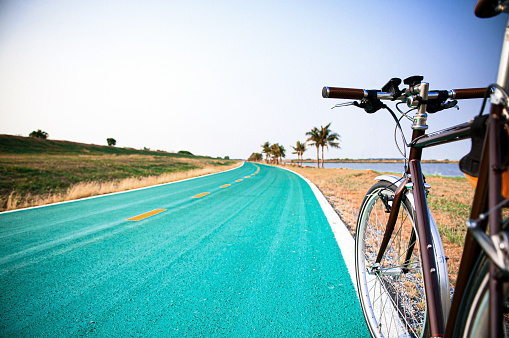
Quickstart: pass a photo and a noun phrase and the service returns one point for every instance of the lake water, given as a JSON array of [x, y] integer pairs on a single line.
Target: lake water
[[441, 169]]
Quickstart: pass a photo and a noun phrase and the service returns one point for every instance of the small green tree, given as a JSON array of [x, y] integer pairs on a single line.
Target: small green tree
[[39, 134], [111, 142]]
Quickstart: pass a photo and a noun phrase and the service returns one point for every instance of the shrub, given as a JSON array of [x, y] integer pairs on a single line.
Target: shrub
[[39, 134]]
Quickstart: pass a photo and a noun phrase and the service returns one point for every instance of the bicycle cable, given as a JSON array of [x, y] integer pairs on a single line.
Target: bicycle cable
[[403, 153], [398, 126], [405, 113], [483, 216], [489, 89]]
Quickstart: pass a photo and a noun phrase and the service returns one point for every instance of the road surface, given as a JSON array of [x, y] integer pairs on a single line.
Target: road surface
[[243, 253]]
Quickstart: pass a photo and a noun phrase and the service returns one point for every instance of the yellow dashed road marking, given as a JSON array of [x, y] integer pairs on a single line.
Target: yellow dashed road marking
[[224, 186], [146, 215], [201, 195], [247, 177], [238, 180]]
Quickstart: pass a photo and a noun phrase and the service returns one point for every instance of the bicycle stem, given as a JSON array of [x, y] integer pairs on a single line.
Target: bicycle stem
[[421, 118], [419, 126]]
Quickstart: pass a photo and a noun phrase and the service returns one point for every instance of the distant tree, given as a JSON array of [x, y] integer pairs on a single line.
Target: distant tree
[[278, 152], [266, 149], [316, 140], [323, 137], [282, 153], [255, 157], [227, 157], [39, 134], [111, 142], [299, 148], [328, 139], [185, 152]]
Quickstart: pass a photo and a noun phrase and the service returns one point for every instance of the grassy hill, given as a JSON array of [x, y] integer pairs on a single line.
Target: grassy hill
[[29, 145], [31, 167]]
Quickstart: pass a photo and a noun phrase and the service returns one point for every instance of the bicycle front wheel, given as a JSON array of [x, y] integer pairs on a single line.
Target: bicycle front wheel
[[391, 292]]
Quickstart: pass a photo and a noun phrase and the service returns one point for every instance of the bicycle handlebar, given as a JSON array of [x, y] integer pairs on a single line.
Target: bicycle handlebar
[[469, 93], [359, 94], [344, 93]]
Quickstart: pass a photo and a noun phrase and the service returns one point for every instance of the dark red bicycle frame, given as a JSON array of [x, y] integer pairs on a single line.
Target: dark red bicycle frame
[[484, 200]]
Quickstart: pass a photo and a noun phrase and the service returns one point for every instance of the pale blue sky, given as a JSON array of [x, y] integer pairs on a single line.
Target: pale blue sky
[[222, 77]]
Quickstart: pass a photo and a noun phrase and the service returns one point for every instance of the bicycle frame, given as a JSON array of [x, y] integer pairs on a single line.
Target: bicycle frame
[[487, 197], [484, 200], [490, 159]]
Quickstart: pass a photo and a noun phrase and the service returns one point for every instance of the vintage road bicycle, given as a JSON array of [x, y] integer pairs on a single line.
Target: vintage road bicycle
[[401, 268]]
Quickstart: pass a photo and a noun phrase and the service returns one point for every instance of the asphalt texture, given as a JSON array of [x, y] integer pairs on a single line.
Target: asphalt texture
[[252, 258]]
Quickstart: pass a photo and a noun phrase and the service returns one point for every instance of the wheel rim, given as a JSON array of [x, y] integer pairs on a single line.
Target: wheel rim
[[477, 320], [392, 295]]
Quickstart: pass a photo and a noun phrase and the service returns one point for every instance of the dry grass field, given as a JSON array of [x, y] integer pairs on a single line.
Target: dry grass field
[[92, 188], [36, 171]]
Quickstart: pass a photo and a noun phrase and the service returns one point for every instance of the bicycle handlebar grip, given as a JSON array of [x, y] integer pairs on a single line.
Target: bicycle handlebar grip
[[342, 93], [470, 93], [486, 8]]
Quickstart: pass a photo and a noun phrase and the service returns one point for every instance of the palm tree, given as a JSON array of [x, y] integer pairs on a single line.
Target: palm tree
[[316, 140], [266, 149], [299, 148], [282, 153], [275, 150], [328, 138], [296, 152]]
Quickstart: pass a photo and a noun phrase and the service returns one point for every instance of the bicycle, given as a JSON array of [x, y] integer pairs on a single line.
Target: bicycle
[[401, 268]]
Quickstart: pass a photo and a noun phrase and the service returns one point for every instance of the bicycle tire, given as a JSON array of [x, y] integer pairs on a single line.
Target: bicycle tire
[[392, 299], [473, 318]]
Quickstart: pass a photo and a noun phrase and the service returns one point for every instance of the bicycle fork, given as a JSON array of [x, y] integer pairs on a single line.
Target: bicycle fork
[[426, 247], [431, 284]]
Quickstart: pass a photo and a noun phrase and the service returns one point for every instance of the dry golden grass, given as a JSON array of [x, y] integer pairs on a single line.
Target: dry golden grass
[[88, 189]]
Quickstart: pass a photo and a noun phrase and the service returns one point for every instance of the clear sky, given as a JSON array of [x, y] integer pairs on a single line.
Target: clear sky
[[220, 78]]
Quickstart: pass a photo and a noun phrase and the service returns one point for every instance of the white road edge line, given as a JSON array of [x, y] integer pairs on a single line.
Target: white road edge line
[[345, 240]]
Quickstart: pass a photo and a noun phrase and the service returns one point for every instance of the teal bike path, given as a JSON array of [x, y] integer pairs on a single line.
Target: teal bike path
[[255, 257]]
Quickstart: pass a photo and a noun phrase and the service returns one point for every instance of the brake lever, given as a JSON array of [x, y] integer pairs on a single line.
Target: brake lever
[[436, 107], [452, 104], [345, 104]]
